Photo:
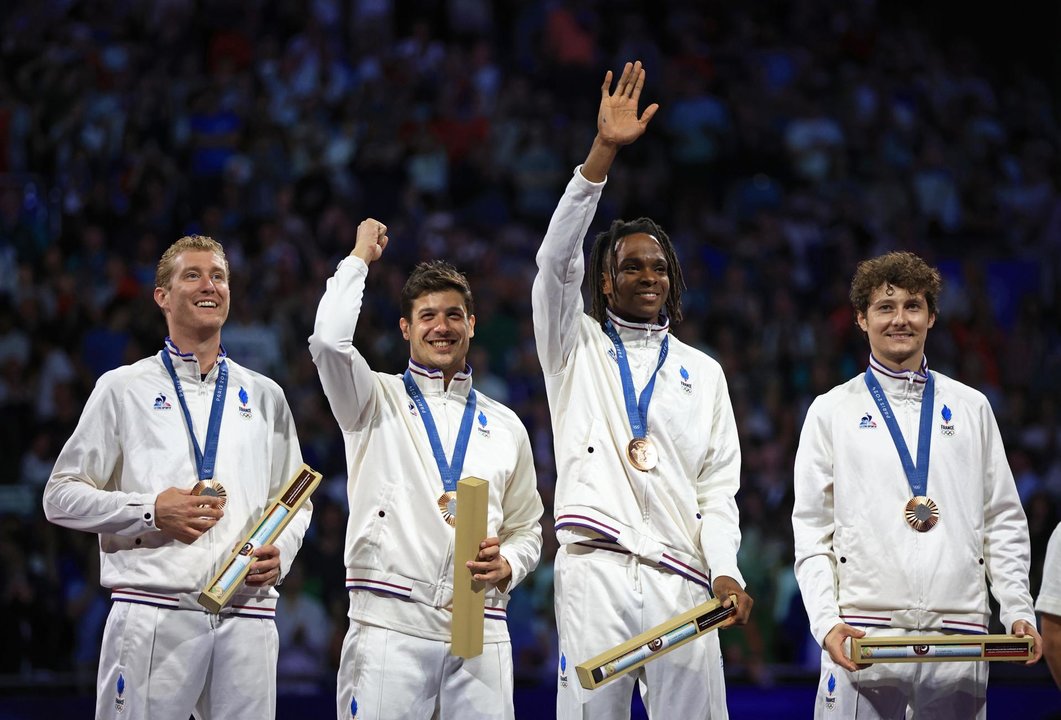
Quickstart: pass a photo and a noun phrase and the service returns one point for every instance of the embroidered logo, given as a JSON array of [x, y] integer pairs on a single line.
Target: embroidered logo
[[946, 427], [353, 708], [119, 698], [830, 695], [412, 409], [611, 354], [482, 425], [161, 403], [867, 421], [563, 670], [244, 408], [686, 385]]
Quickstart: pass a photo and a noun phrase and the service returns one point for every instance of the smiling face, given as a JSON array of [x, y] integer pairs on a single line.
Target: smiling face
[[439, 331], [639, 289], [897, 324], [196, 302]]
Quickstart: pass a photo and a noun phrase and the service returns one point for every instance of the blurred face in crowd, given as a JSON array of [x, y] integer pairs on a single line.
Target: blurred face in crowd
[[897, 323], [196, 302], [639, 289], [439, 331]]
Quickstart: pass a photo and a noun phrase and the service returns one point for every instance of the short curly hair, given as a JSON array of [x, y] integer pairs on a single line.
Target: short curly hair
[[166, 264], [901, 269], [435, 276]]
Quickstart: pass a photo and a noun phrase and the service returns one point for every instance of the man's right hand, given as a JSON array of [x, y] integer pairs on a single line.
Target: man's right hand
[[834, 645], [185, 517], [371, 239]]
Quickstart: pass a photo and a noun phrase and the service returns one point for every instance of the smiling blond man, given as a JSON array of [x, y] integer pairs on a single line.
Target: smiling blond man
[[905, 512], [174, 458], [409, 438]]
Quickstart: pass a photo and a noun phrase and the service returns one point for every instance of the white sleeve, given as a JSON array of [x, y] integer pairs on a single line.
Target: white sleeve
[[74, 496], [521, 532], [813, 523], [717, 487], [349, 383], [1049, 600], [556, 297], [1007, 550], [286, 461]]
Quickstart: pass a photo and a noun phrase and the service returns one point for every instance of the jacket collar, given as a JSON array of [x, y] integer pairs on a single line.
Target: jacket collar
[[431, 381], [186, 365], [629, 331]]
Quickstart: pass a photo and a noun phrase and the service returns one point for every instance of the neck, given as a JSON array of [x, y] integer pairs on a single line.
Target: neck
[[205, 350], [911, 364]]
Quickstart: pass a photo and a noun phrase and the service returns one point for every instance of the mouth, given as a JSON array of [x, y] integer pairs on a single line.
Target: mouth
[[442, 344], [206, 304]]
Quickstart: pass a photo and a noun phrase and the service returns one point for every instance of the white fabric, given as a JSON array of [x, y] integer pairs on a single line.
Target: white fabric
[[402, 677], [1049, 600], [132, 443], [858, 561], [399, 549], [176, 662], [681, 515], [893, 691], [687, 682]]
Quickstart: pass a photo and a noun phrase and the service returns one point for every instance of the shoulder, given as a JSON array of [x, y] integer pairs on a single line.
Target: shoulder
[[946, 384], [503, 413], [853, 389], [692, 358]]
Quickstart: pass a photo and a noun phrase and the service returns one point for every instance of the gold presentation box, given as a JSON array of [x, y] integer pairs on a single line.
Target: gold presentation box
[[941, 648]]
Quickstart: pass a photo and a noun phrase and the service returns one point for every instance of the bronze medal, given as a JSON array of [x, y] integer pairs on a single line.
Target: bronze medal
[[922, 513], [642, 454], [447, 505], [211, 488]]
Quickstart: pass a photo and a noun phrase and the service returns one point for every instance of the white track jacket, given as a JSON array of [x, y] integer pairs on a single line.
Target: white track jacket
[[858, 561], [681, 514], [397, 543], [132, 443]]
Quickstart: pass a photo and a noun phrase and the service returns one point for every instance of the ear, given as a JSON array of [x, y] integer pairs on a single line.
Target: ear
[[860, 318], [471, 326], [931, 320], [606, 284], [161, 297], [404, 325]]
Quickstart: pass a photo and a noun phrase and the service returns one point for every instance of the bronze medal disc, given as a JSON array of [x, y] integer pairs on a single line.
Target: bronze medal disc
[[922, 513], [447, 505], [211, 488], [642, 454]]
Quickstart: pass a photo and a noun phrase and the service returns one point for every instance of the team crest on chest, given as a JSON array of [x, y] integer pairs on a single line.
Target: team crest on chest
[[686, 385], [483, 430], [866, 422], [244, 408], [946, 427], [161, 403]]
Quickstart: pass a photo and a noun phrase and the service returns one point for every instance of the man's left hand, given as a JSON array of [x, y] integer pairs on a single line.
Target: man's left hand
[[489, 565], [1021, 628], [723, 587], [265, 570]]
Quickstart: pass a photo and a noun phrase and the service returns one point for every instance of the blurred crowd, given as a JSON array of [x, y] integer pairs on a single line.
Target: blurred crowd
[[794, 138]]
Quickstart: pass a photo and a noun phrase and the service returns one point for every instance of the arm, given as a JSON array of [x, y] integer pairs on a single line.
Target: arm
[[716, 488], [1052, 644], [1049, 605], [506, 560], [1007, 551], [556, 297], [75, 496], [813, 524], [346, 377]]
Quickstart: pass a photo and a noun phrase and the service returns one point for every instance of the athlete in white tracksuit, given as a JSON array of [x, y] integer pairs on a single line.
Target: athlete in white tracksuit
[[164, 655], [862, 566], [638, 546], [1048, 604], [396, 661]]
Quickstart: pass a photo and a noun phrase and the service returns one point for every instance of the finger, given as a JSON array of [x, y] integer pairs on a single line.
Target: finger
[[636, 74], [648, 114], [639, 82], [605, 87], [383, 242], [624, 79]]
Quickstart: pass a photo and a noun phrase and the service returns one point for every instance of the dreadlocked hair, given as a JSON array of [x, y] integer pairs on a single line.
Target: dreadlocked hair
[[602, 259]]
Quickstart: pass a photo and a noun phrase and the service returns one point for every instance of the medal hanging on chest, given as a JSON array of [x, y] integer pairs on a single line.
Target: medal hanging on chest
[[640, 451], [921, 512], [449, 470], [205, 458]]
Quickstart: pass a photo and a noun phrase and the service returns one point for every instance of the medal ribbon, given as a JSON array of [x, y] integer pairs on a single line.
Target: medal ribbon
[[450, 471], [916, 475], [636, 409], [204, 461]]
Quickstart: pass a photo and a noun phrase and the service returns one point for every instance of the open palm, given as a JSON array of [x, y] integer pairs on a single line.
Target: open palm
[[617, 121]]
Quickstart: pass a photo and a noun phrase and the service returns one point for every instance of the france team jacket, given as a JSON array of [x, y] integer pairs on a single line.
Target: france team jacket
[[398, 545], [132, 443], [681, 514], [857, 559]]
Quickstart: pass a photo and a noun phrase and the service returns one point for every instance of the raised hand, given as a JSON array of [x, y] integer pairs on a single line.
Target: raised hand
[[617, 120], [371, 239]]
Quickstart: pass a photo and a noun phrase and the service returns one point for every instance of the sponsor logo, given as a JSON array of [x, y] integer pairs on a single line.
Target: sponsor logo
[[946, 428], [867, 421], [244, 408], [412, 409], [161, 403], [655, 644], [686, 385], [483, 430], [563, 670], [920, 649], [119, 698]]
